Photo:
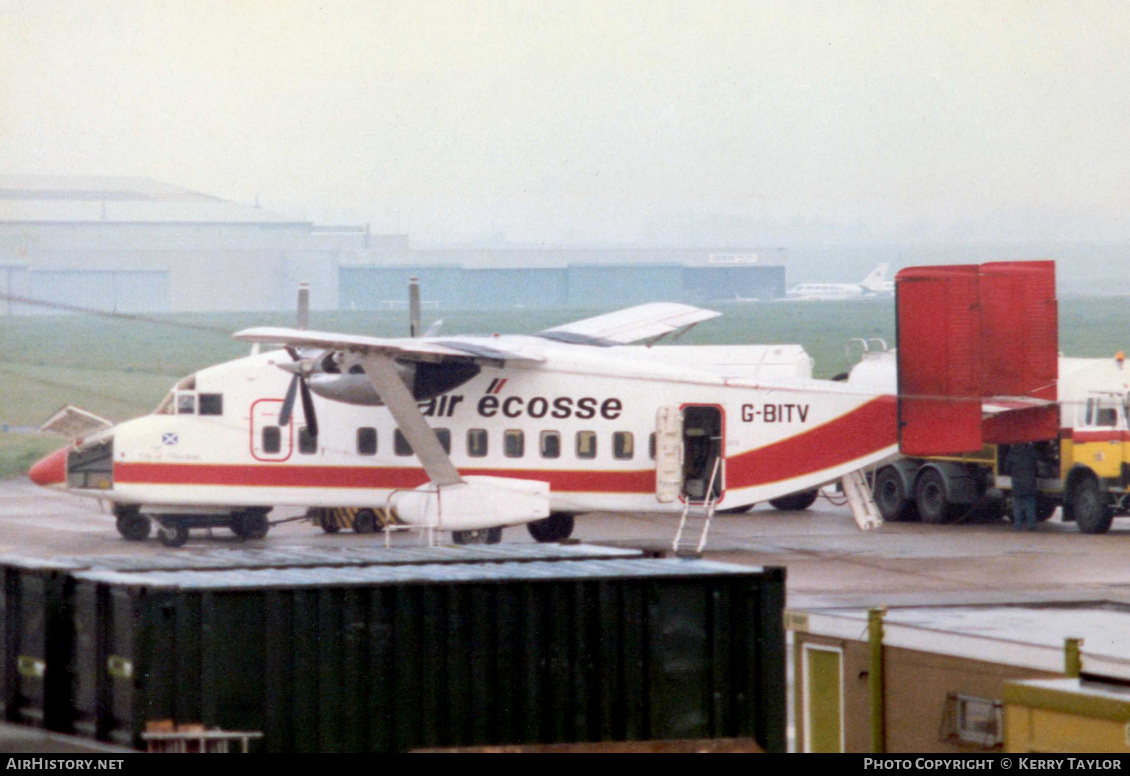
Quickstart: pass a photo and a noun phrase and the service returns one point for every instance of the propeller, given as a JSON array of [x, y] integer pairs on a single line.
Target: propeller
[[301, 368]]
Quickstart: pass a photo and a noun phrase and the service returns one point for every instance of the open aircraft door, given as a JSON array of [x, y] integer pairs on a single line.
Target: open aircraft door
[[704, 468], [668, 454]]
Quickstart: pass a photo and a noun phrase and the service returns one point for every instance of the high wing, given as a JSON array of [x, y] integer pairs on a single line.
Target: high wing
[[414, 349], [378, 357]]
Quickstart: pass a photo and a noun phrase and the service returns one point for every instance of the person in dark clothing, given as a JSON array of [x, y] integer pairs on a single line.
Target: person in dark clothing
[[1021, 466]]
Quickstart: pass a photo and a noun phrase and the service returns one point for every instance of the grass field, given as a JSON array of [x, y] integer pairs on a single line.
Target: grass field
[[121, 368]]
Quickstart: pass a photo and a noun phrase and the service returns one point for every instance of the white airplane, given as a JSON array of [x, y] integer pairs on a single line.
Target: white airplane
[[874, 285], [470, 434]]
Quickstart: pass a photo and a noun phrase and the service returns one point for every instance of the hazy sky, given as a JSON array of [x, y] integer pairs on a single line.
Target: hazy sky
[[598, 121]]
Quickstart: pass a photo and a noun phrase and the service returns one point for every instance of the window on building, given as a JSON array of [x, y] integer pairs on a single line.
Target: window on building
[[970, 720], [366, 441], [476, 442], [272, 439], [513, 443], [211, 404], [586, 444], [623, 445], [550, 444]]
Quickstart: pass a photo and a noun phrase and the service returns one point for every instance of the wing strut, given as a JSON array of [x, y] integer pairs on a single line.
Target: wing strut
[[384, 377]]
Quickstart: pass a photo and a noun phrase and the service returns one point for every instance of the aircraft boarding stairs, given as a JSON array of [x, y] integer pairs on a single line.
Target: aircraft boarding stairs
[[854, 484]]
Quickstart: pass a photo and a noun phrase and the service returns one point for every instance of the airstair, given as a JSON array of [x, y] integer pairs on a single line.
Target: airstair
[[705, 510], [861, 501]]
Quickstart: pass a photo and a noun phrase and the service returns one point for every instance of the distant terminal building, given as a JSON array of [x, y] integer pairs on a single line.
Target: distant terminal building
[[135, 245]]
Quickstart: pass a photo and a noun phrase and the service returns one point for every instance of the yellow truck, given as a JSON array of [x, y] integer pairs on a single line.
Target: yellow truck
[[1086, 470]]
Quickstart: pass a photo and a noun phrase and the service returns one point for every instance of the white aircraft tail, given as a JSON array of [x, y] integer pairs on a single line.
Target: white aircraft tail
[[875, 278]]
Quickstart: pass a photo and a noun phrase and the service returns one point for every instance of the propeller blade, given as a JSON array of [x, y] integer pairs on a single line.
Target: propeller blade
[[308, 410], [288, 402]]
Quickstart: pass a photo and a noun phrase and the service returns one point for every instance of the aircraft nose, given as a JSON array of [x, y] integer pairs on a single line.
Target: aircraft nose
[[51, 469]]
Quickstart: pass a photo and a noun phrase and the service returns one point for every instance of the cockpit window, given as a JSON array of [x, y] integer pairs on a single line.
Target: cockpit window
[[211, 404], [186, 403]]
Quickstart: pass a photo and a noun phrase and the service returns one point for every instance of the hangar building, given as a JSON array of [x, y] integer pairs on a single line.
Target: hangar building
[[135, 245]]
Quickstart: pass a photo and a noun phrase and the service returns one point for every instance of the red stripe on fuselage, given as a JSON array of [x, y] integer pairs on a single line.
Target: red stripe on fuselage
[[376, 477], [864, 431]]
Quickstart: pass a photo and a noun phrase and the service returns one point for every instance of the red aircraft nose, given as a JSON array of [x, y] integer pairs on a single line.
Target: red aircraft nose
[[51, 469]]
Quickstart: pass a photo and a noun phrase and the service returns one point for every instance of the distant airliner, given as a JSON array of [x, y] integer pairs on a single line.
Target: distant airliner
[[873, 285]]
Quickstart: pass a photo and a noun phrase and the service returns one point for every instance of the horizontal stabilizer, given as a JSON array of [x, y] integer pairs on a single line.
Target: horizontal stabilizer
[[645, 321], [976, 341]]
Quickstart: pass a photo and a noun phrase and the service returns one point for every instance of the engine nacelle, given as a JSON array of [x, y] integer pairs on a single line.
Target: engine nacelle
[[426, 381], [475, 503]]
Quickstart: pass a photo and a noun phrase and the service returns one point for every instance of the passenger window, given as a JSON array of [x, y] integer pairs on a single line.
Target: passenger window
[[586, 444], [186, 403], [477, 442], [513, 443], [211, 404], [623, 445], [444, 437], [272, 439], [550, 444], [400, 445], [307, 442], [366, 441]]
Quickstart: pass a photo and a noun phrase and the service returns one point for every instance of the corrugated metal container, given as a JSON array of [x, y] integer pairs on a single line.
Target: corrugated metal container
[[361, 555], [387, 658], [35, 643]]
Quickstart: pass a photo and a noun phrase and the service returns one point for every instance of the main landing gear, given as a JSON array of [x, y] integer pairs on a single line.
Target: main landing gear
[[556, 528], [173, 529]]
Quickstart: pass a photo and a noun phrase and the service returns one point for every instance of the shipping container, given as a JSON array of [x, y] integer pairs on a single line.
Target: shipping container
[[388, 658]]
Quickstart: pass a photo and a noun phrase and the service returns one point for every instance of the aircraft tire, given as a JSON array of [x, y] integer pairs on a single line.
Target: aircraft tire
[[555, 528], [133, 526], [479, 536], [1091, 514], [795, 501], [173, 534], [930, 494], [365, 522], [252, 524]]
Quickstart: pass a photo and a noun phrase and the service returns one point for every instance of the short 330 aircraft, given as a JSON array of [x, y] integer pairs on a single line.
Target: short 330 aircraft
[[470, 434]]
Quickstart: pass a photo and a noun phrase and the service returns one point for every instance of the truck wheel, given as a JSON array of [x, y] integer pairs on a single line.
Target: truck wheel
[[794, 502], [1091, 514], [891, 496], [327, 519], [1045, 508], [555, 528], [930, 494], [365, 521]]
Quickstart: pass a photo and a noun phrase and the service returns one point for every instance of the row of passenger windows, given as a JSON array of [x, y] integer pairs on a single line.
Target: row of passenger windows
[[549, 443]]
